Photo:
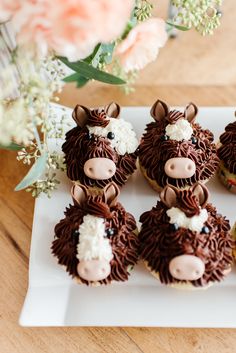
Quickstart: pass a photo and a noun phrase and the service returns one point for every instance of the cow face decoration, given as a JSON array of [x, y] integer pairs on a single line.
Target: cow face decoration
[[96, 240], [101, 148], [184, 239], [175, 150]]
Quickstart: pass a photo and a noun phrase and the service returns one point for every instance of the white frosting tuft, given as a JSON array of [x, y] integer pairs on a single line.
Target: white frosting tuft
[[93, 243], [179, 131], [194, 223], [125, 140]]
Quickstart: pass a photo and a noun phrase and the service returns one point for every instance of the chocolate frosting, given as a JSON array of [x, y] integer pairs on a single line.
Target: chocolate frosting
[[154, 152], [227, 151], [124, 242], [97, 117], [159, 243], [188, 203], [81, 146]]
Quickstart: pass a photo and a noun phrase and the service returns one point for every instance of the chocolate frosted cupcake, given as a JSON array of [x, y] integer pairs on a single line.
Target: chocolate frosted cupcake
[[101, 148], [175, 150], [97, 240], [227, 155], [184, 242]]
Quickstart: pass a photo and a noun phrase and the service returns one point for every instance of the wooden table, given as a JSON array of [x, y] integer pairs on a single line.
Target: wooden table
[[192, 68], [15, 232]]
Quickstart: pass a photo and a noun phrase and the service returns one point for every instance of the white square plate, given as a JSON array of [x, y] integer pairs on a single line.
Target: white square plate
[[53, 299]]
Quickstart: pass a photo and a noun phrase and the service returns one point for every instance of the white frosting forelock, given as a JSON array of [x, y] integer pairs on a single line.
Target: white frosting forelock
[[181, 130], [125, 140], [93, 243], [194, 223]]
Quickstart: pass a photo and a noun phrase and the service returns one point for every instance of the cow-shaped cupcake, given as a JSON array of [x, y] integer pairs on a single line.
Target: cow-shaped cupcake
[[97, 240], [174, 150], [101, 148], [184, 242]]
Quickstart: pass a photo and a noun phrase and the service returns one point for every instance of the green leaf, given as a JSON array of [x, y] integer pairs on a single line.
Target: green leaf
[[89, 58], [80, 80], [103, 54], [181, 28], [13, 147], [34, 173], [90, 72]]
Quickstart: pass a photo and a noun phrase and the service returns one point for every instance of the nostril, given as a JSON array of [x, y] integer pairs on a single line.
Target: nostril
[[197, 272], [103, 270], [189, 167], [86, 270], [90, 169], [177, 270], [110, 171], [172, 167]]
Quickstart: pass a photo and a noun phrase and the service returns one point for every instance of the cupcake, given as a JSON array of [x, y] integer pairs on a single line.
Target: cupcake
[[97, 240], [233, 232], [227, 155], [184, 241], [102, 148], [175, 150]]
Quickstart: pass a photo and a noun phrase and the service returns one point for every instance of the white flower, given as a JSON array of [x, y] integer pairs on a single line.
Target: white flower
[[179, 131]]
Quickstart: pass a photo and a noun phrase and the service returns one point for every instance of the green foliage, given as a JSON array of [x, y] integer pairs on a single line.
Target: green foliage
[[180, 28], [199, 14], [143, 10], [92, 67], [76, 77], [34, 173], [12, 147]]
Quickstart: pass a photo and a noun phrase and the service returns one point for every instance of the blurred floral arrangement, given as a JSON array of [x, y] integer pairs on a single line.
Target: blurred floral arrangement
[[105, 40]]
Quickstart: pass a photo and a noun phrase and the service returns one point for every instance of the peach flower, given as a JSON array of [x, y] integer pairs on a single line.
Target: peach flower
[[8, 8], [142, 44], [71, 28]]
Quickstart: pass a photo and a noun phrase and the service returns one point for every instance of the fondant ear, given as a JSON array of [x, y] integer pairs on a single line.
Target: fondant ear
[[169, 196], [79, 193], [111, 193], [159, 110], [112, 110], [201, 192], [80, 115], [190, 112]]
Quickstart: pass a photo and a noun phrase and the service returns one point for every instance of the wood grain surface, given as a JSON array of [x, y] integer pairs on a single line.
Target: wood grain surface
[[208, 77]]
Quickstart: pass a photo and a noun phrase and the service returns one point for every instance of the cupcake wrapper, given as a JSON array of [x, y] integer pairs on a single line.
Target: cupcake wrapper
[[227, 179]]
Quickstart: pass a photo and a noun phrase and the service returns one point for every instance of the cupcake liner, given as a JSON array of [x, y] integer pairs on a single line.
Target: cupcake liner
[[227, 179]]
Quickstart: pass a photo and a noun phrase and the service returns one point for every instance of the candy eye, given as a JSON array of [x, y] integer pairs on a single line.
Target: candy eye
[[110, 232], [174, 227], [111, 135], [164, 138], [76, 232], [194, 140], [89, 136], [205, 230]]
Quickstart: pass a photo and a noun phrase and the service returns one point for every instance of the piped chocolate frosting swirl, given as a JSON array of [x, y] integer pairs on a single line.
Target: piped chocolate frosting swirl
[[227, 151], [124, 241], [97, 117], [154, 152], [160, 243]]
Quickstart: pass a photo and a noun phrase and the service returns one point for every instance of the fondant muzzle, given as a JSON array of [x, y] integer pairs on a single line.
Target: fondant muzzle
[[99, 168], [93, 270], [180, 167], [186, 267]]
